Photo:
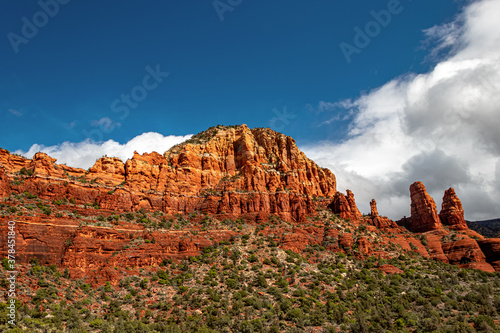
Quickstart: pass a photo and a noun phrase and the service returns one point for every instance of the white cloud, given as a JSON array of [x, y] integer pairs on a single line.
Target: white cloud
[[84, 154], [16, 113], [440, 127]]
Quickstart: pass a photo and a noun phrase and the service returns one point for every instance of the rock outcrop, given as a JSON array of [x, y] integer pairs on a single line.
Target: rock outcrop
[[224, 170], [227, 172], [352, 204], [44, 165], [108, 171], [373, 209], [234, 170], [424, 216], [238, 158], [364, 246], [345, 206], [4, 183], [380, 222], [463, 251], [89, 251], [435, 245], [299, 239], [491, 250], [346, 240], [389, 269], [452, 213], [340, 206], [11, 162]]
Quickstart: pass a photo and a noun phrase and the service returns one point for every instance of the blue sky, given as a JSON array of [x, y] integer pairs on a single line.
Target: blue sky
[[262, 56], [416, 98]]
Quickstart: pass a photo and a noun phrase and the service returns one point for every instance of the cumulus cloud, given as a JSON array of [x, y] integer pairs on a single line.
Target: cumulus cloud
[[84, 154], [440, 127]]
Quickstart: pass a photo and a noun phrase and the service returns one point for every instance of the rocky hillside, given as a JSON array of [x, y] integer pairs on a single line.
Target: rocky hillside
[[119, 220], [232, 171], [83, 219]]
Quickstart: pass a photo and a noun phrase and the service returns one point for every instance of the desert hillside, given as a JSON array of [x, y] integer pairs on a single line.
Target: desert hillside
[[234, 230]]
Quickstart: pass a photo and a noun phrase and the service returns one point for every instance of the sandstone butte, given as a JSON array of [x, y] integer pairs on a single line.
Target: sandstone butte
[[228, 172]]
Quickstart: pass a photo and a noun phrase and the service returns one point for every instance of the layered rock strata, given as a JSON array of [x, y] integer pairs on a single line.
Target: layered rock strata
[[224, 170], [232, 172]]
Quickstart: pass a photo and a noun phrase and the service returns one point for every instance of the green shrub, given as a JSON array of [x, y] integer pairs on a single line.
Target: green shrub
[[5, 264], [26, 172]]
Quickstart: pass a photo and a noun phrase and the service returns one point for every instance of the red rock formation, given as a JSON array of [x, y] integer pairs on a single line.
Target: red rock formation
[[44, 165], [463, 251], [383, 222], [224, 169], [299, 239], [473, 234], [424, 216], [380, 222], [373, 208], [435, 246], [41, 239], [4, 183], [340, 206], [491, 249], [90, 251], [12, 163], [108, 171], [346, 240], [41, 163], [452, 213], [409, 243], [364, 246], [352, 204], [483, 266], [238, 158], [389, 269], [232, 172], [345, 206]]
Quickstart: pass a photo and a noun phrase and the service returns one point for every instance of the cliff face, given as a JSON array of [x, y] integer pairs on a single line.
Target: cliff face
[[102, 254], [259, 160], [231, 172], [108, 171], [225, 170], [4, 183], [228, 172], [41, 165], [491, 249]]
